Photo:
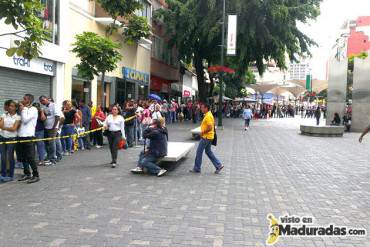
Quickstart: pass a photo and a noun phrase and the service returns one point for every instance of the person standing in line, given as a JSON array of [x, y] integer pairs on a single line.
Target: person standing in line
[[157, 113], [207, 135], [51, 128], [9, 124], [97, 122], [40, 134], [26, 150], [318, 115], [130, 123], [115, 125], [165, 111], [85, 123], [93, 111], [173, 111], [139, 122], [68, 127], [247, 116]]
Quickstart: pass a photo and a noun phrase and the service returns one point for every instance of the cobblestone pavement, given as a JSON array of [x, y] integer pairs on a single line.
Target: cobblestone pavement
[[269, 169]]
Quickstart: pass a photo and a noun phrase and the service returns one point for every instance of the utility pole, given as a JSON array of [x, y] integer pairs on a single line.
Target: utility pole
[[220, 100]]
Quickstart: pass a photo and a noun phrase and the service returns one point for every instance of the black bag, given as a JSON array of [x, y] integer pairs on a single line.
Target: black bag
[[105, 132], [214, 141]]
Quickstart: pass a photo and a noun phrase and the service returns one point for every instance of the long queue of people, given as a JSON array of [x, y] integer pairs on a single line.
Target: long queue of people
[[65, 129]]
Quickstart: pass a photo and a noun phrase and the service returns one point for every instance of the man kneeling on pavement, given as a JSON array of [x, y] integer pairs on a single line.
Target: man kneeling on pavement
[[157, 149]]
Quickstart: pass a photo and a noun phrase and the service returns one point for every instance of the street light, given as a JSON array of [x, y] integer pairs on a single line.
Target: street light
[[220, 100]]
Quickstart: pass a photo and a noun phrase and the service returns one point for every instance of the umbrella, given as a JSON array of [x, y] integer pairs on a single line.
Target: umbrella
[[154, 96]]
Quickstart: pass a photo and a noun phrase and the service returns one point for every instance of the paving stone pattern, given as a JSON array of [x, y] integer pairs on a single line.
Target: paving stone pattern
[[269, 169]]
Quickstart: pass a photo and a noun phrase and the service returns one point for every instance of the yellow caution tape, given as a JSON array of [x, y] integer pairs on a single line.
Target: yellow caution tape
[[61, 137]]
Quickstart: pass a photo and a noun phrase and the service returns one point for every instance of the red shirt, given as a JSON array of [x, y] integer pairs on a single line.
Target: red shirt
[[94, 123]]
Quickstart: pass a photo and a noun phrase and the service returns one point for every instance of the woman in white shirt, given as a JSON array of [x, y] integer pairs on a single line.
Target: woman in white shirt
[[156, 115], [9, 124], [115, 125]]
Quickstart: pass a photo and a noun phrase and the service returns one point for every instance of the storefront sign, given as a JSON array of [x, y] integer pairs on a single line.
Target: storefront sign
[[231, 35], [135, 76], [36, 65], [186, 93], [187, 84]]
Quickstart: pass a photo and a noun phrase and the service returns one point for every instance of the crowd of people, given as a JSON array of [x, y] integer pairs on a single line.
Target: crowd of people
[[38, 133], [57, 132]]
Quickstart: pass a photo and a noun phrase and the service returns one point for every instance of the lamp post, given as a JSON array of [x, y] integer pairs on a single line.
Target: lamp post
[[220, 101]]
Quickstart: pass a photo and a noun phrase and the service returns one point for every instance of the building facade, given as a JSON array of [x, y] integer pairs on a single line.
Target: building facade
[[299, 71], [358, 40], [272, 75], [130, 80], [39, 76], [165, 69]]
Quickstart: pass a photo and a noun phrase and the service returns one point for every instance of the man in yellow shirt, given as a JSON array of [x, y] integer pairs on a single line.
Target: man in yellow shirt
[[207, 135]]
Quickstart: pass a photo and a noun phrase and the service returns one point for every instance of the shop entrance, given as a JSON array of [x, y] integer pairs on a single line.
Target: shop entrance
[[81, 90]]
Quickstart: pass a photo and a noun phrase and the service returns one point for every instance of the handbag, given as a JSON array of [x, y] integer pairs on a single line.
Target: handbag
[[214, 141], [122, 144], [100, 123]]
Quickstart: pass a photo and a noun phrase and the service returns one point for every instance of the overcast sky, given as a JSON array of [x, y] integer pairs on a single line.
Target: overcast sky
[[326, 28]]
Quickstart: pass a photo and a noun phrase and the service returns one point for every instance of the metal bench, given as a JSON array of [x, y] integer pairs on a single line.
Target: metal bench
[[322, 131]]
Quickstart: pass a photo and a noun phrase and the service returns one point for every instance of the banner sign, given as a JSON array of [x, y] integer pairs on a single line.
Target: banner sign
[[135, 76], [309, 83], [232, 35]]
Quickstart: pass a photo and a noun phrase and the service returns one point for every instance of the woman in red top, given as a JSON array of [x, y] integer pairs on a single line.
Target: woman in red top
[[97, 122]]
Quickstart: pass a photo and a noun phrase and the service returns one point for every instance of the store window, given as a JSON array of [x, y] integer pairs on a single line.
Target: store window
[[146, 11], [50, 19], [164, 53], [81, 90], [143, 92]]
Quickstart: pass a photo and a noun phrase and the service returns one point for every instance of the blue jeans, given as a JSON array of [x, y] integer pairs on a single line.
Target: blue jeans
[[173, 116], [59, 149], [67, 130], [85, 138], [205, 145], [130, 134], [7, 154], [50, 145], [139, 131], [167, 117], [40, 145], [148, 161]]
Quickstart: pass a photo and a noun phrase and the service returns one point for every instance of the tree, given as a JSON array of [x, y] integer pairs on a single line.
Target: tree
[[97, 54], [267, 30], [134, 27], [250, 77], [23, 16]]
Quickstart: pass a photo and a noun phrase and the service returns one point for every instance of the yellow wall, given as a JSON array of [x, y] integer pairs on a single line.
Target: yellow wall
[[133, 56]]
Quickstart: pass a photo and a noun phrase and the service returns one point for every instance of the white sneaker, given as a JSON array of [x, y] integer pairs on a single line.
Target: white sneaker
[[114, 165], [137, 170], [97, 146], [161, 172]]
